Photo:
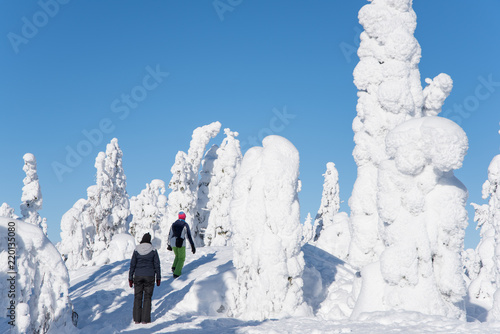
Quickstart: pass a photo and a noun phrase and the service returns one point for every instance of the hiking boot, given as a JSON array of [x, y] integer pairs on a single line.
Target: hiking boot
[[175, 276]]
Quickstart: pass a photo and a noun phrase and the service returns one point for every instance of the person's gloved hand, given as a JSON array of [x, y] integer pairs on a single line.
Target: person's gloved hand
[[169, 247], [130, 283], [193, 250], [158, 281]]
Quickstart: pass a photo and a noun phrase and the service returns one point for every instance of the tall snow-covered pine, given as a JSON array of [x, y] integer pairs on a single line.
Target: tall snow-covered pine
[[219, 231]]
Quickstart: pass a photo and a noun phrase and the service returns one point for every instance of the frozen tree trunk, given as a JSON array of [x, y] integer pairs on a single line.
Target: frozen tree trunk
[[423, 219], [219, 231], [265, 213], [32, 196], [389, 93]]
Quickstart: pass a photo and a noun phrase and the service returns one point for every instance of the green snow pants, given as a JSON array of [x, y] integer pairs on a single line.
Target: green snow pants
[[180, 257]]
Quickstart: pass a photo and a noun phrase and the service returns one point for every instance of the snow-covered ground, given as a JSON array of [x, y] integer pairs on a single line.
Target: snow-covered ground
[[195, 302]]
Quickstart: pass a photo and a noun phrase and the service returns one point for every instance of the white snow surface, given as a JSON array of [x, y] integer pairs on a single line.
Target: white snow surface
[[196, 302]]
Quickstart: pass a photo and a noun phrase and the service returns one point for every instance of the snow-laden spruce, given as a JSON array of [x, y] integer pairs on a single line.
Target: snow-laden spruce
[[482, 268], [491, 214], [202, 212], [219, 231], [32, 195], [184, 181], [307, 230], [148, 210], [389, 93], [7, 211], [41, 292], [330, 200], [331, 228], [77, 236], [265, 213], [108, 201], [421, 205], [88, 228]]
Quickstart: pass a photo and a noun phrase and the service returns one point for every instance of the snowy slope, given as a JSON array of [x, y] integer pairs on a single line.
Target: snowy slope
[[195, 303]]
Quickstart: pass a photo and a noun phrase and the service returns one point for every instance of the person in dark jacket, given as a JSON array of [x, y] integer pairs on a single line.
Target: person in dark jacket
[[144, 266], [177, 242]]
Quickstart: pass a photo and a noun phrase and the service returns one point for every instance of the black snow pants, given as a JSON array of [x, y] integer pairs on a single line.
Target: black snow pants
[[144, 286]]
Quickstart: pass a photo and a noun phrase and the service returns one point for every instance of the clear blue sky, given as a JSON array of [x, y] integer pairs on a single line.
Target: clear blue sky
[[71, 70]]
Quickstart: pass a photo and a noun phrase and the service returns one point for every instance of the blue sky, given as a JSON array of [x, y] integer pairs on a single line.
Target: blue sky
[[150, 72]]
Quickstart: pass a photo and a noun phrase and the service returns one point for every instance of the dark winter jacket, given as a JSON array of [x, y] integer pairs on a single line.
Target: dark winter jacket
[[145, 262], [178, 233]]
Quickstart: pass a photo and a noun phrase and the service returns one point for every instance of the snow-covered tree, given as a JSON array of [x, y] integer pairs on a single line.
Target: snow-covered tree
[[336, 236], [201, 212], [184, 182], [389, 93], [307, 230], [108, 202], [330, 200], [88, 228], [265, 212], [32, 196], [483, 283], [77, 236], [147, 212], [421, 205], [331, 231], [7, 211], [42, 302], [491, 190], [219, 231]]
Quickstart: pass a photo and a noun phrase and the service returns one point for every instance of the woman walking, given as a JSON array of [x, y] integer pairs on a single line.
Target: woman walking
[[144, 266]]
